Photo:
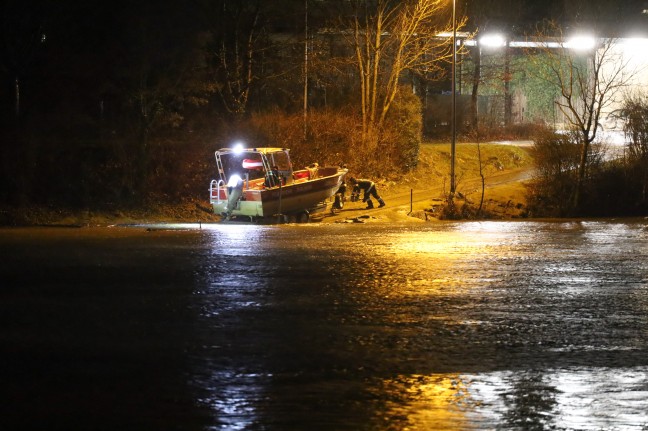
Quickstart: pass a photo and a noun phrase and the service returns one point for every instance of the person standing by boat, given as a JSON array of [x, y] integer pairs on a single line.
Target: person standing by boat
[[369, 189]]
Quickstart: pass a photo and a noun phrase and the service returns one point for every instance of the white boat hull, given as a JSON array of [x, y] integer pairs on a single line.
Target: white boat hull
[[303, 192]]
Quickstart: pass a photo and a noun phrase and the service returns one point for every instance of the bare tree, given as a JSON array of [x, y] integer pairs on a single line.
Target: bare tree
[[634, 114], [486, 16], [390, 37], [590, 79], [21, 34], [236, 31]]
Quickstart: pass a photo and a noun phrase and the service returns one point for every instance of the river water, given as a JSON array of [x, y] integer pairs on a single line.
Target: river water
[[439, 326]]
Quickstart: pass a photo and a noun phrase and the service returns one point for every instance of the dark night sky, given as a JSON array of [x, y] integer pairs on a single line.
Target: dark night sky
[[90, 42], [520, 16]]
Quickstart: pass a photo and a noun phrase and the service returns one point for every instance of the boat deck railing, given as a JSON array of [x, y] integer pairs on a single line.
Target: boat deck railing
[[217, 191]]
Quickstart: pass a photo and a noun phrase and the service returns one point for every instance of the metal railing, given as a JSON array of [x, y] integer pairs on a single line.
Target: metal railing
[[217, 185]]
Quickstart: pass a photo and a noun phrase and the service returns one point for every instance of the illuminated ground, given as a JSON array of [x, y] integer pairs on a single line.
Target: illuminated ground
[[505, 169]]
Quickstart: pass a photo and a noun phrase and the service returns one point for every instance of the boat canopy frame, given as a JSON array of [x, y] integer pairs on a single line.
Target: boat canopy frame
[[233, 160]]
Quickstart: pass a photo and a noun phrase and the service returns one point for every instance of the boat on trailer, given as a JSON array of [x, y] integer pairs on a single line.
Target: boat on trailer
[[259, 183]]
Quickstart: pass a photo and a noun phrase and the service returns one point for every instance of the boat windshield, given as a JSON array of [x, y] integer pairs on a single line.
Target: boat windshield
[[281, 160], [250, 164]]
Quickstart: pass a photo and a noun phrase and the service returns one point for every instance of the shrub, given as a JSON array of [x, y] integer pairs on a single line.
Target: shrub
[[620, 186], [326, 139], [556, 159], [335, 137], [635, 115], [404, 129]]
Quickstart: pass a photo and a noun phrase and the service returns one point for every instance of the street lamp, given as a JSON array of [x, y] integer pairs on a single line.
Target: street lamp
[[497, 41], [581, 43], [453, 143], [492, 40]]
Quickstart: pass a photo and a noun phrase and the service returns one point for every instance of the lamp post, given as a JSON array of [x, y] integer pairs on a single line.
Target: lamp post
[[453, 142], [305, 70]]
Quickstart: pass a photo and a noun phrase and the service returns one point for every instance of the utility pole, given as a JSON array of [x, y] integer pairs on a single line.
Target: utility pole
[[17, 106], [305, 70], [453, 143]]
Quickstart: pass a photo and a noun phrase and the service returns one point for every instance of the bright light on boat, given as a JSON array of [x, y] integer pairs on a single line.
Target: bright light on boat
[[234, 181], [238, 147]]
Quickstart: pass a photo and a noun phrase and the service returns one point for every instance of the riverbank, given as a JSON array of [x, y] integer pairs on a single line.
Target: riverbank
[[416, 197], [421, 194]]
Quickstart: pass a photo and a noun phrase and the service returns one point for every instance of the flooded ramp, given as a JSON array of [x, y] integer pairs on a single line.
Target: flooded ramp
[[484, 325]]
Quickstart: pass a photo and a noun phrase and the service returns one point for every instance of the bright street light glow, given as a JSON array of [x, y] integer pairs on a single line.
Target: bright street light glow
[[635, 46], [460, 34], [492, 40], [581, 43]]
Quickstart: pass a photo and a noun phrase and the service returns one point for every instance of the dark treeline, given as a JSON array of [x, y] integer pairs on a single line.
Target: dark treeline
[[116, 102], [122, 103], [111, 104]]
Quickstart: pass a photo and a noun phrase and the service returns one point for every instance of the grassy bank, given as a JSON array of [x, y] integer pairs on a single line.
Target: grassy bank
[[504, 169]]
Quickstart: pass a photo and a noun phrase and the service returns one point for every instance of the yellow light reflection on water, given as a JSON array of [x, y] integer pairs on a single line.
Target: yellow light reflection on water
[[469, 240], [437, 401], [443, 261], [447, 245]]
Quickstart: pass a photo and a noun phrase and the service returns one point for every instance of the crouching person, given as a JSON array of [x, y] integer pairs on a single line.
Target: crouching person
[[369, 189]]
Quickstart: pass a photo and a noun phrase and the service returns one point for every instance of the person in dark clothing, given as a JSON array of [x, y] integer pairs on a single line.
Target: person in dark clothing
[[339, 198], [369, 189], [274, 178]]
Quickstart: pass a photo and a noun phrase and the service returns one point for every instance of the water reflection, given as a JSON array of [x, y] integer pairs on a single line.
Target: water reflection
[[436, 402], [602, 398], [235, 284], [349, 327], [447, 326], [234, 403]]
